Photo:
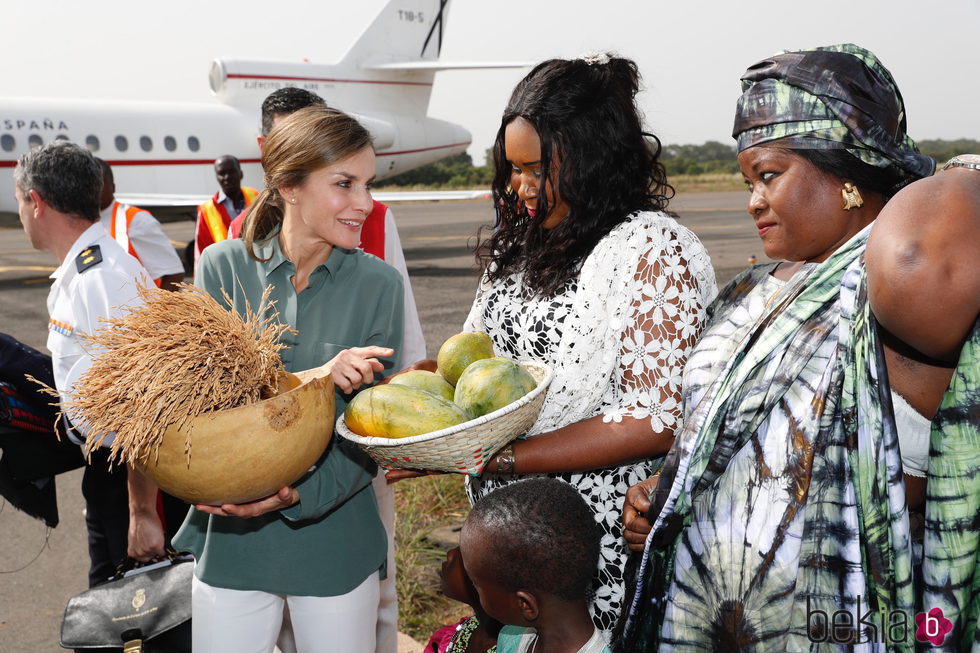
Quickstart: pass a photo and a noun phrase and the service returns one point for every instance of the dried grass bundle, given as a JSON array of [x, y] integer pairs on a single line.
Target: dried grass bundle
[[175, 357]]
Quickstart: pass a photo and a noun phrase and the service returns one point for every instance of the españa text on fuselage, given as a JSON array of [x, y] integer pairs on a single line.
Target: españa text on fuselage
[[10, 124]]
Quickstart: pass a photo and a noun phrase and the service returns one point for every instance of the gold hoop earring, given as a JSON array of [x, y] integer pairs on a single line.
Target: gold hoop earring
[[851, 196]]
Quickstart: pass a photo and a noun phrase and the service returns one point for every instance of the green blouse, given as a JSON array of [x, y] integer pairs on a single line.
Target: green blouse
[[329, 542]]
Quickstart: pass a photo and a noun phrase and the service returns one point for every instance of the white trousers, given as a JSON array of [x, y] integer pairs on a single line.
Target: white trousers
[[387, 626], [236, 621], [387, 630]]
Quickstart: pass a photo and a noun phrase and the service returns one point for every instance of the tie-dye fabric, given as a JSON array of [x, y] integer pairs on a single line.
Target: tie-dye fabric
[[951, 564], [835, 97], [782, 502]]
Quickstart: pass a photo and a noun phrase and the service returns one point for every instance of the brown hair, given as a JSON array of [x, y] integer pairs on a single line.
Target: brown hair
[[300, 144]]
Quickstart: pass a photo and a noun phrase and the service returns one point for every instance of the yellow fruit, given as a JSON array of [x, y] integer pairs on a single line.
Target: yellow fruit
[[400, 411], [492, 383], [425, 380], [459, 351]]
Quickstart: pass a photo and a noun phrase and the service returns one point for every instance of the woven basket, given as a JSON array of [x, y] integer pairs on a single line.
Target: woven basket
[[464, 448]]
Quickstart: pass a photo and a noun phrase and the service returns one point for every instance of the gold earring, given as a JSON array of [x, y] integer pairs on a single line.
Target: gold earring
[[851, 196]]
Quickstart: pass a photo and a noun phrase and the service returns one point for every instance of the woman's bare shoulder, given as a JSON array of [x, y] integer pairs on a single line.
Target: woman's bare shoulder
[[922, 255]]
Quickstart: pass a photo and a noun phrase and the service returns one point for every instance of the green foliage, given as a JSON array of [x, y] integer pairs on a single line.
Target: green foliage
[[454, 172], [942, 151], [708, 158]]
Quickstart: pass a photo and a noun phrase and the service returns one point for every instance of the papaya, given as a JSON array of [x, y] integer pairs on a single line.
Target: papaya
[[459, 351], [425, 380], [490, 384], [400, 411]]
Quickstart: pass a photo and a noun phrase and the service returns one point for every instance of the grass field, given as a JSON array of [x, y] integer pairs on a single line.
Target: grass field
[[423, 505], [707, 183]]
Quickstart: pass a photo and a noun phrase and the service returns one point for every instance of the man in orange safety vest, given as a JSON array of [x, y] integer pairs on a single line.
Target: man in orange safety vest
[[215, 215], [140, 234]]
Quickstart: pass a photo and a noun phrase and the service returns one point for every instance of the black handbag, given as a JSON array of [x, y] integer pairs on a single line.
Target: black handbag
[[143, 609]]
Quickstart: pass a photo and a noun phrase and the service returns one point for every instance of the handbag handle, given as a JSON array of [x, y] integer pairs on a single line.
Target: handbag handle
[[128, 564]]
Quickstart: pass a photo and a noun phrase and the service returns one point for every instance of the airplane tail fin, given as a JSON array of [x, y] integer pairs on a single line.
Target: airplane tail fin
[[391, 65], [403, 31]]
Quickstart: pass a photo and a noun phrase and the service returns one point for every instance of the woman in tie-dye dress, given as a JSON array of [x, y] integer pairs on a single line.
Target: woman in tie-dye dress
[[813, 427]]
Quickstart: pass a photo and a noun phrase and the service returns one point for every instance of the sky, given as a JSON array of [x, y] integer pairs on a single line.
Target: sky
[[690, 52]]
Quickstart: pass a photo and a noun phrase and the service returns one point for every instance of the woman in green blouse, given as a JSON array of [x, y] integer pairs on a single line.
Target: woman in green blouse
[[318, 545]]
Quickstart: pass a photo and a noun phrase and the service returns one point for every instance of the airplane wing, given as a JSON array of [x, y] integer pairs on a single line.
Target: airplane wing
[[160, 201], [153, 200], [437, 65], [431, 196]]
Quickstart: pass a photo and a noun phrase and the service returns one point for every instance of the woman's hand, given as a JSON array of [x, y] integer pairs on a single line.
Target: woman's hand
[[354, 367], [395, 475], [636, 526], [284, 498], [426, 364]]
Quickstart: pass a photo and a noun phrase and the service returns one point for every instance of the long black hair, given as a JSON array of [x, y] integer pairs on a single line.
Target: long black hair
[[585, 115]]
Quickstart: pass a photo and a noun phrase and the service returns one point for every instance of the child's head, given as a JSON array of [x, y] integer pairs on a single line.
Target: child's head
[[526, 541], [455, 583]]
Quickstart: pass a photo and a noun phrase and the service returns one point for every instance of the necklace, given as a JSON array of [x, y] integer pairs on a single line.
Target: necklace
[[460, 640]]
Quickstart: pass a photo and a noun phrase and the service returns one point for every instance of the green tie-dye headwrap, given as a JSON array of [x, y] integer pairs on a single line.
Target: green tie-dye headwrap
[[829, 98]]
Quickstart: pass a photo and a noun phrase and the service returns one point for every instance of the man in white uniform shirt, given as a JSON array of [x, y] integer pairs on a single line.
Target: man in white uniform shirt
[[57, 187], [140, 234]]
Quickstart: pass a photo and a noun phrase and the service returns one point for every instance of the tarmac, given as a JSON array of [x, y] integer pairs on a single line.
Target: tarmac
[[41, 568]]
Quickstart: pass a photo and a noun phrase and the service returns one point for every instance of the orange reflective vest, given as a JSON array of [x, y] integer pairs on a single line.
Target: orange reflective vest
[[119, 221], [122, 216], [213, 220]]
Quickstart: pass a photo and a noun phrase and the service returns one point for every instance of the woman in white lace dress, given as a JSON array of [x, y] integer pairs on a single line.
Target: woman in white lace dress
[[587, 273]]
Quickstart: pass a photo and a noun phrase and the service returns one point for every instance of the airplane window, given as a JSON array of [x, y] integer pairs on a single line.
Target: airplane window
[[8, 143], [170, 143], [193, 143], [61, 137], [34, 140], [92, 143], [146, 144], [121, 143]]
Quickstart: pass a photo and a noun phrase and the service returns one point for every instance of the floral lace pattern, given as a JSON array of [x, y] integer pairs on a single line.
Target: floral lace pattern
[[617, 339]]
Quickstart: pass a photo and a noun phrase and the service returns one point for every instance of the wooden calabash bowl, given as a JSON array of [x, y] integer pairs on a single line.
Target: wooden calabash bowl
[[246, 453]]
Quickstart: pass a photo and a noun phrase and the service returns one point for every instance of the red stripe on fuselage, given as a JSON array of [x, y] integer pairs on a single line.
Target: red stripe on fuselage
[[151, 162], [188, 162], [328, 79], [423, 149]]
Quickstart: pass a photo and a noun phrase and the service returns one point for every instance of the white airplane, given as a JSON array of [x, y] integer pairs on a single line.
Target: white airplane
[[162, 154]]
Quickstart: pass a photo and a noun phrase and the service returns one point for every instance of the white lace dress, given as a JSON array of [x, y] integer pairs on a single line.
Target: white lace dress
[[617, 338]]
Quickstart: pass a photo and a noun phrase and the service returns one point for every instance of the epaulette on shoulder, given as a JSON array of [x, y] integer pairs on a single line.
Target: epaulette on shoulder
[[90, 257]]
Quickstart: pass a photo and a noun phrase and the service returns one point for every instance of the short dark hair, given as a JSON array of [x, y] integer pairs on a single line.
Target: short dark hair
[[66, 175], [285, 101], [545, 537], [229, 157], [106, 168], [584, 112]]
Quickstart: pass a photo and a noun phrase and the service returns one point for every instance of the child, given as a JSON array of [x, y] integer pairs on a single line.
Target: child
[[531, 549], [476, 634]]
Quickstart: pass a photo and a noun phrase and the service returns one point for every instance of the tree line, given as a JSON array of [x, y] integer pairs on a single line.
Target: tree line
[[711, 157]]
